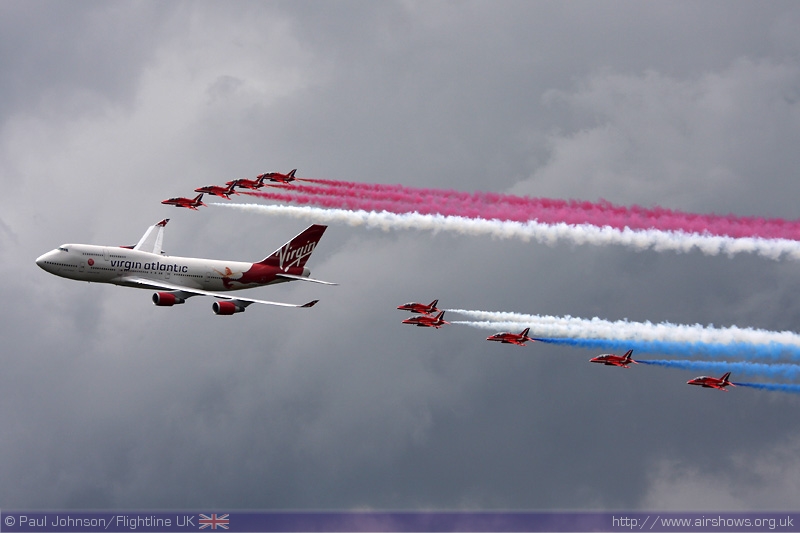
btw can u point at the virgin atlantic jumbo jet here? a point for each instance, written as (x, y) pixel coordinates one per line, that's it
(176, 279)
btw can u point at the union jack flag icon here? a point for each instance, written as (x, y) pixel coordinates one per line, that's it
(213, 521)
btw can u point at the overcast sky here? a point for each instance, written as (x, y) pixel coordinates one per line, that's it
(106, 108)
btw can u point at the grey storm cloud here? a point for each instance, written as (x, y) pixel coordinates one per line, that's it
(109, 107)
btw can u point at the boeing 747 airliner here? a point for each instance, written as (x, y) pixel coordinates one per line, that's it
(176, 279)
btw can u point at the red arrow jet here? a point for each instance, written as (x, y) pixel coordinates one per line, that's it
(217, 190)
(427, 321)
(415, 307)
(511, 338)
(245, 183)
(278, 177)
(615, 360)
(189, 203)
(712, 382)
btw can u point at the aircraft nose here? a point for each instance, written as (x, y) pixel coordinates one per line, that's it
(42, 260)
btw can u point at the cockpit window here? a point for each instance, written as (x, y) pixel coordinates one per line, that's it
(63, 248)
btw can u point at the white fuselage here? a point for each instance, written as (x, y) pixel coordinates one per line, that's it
(108, 264)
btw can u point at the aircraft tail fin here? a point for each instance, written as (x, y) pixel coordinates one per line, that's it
(433, 304)
(291, 174)
(296, 252)
(726, 376)
(153, 238)
(525, 332)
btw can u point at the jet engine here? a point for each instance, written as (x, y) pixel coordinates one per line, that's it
(166, 299)
(226, 308)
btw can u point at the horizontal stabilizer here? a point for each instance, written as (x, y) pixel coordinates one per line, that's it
(301, 278)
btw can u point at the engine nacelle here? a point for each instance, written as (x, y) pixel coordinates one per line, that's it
(166, 299)
(226, 308)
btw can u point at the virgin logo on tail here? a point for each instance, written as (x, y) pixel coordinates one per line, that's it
(296, 252)
(289, 257)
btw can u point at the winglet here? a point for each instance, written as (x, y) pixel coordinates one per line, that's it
(310, 304)
(153, 238)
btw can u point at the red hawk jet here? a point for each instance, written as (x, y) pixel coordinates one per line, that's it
(712, 382)
(427, 321)
(512, 338)
(189, 203)
(278, 177)
(614, 360)
(217, 190)
(415, 307)
(245, 183)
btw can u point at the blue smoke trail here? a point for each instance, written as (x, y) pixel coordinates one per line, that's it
(787, 371)
(738, 349)
(780, 387)
(703, 339)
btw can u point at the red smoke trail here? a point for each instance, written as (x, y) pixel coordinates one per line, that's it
(353, 203)
(338, 197)
(523, 208)
(452, 204)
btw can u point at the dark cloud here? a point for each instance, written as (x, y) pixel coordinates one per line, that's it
(108, 108)
(64, 60)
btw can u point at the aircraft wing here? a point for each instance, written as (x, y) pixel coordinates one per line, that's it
(301, 278)
(144, 282)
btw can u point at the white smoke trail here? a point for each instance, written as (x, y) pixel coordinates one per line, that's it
(595, 328)
(550, 234)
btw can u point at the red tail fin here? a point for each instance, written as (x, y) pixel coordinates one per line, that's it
(296, 252)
